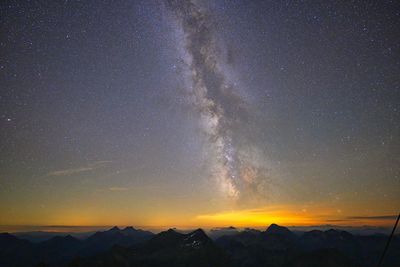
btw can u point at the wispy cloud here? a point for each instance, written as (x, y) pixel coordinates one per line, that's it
(384, 217)
(337, 220)
(364, 218)
(71, 171)
(116, 188)
(76, 170)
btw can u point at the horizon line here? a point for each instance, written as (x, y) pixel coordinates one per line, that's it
(41, 228)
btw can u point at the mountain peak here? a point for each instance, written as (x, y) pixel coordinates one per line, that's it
(169, 233)
(276, 229)
(114, 229)
(70, 238)
(338, 233)
(129, 229)
(196, 239)
(199, 233)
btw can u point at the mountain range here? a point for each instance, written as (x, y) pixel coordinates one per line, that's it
(276, 246)
(59, 250)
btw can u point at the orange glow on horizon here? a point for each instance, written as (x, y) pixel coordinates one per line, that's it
(286, 215)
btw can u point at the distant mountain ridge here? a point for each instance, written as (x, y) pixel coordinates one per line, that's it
(59, 250)
(276, 246)
(168, 248)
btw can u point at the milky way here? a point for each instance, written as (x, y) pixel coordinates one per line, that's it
(235, 163)
(157, 112)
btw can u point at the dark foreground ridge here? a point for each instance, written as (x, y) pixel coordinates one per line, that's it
(276, 246)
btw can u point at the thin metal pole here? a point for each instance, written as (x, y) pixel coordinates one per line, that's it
(388, 242)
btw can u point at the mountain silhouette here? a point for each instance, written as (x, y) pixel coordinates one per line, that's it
(60, 250)
(168, 248)
(15, 251)
(276, 246)
(218, 232)
(107, 239)
(275, 229)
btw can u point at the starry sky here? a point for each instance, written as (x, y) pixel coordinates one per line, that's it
(199, 113)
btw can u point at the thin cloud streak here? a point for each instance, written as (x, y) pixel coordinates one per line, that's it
(118, 189)
(384, 217)
(71, 171)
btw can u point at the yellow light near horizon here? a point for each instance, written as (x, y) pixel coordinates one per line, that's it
(288, 216)
(161, 218)
(256, 218)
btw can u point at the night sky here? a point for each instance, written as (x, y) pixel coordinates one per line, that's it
(202, 113)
